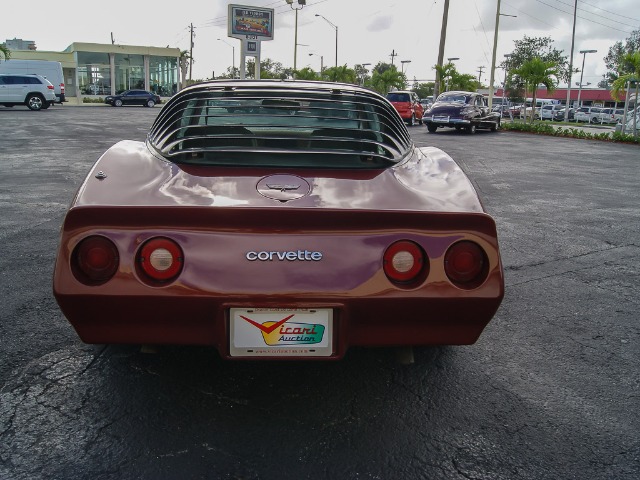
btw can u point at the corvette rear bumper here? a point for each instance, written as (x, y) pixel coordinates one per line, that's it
(205, 321)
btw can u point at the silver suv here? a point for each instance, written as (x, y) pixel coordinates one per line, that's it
(34, 91)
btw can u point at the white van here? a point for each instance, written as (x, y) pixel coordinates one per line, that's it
(52, 71)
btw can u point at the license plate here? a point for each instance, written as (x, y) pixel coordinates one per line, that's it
(440, 119)
(272, 332)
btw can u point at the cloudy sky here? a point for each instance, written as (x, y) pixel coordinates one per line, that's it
(369, 31)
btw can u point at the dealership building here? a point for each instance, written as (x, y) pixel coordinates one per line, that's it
(95, 69)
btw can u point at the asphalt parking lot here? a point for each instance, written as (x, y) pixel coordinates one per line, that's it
(550, 391)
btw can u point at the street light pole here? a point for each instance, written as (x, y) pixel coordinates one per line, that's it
(233, 59)
(336, 28)
(584, 55)
(403, 62)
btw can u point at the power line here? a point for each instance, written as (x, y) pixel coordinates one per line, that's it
(583, 18)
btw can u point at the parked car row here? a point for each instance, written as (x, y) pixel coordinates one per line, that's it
(599, 115)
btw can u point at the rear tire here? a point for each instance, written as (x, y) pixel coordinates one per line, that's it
(471, 129)
(34, 102)
(432, 128)
(150, 103)
(495, 126)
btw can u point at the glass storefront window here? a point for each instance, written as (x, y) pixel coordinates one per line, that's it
(129, 72)
(94, 73)
(95, 76)
(163, 75)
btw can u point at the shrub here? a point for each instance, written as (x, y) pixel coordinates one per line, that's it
(545, 129)
(92, 100)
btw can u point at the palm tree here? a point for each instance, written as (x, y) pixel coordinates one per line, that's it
(342, 74)
(184, 66)
(536, 72)
(445, 73)
(4, 52)
(390, 78)
(307, 73)
(631, 60)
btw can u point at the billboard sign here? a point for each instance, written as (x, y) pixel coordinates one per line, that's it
(251, 23)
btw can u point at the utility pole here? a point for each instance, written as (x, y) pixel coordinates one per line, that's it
(393, 55)
(573, 41)
(443, 37)
(191, 53)
(480, 69)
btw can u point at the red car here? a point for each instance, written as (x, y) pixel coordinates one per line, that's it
(301, 224)
(408, 106)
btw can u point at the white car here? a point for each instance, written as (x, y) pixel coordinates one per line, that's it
(589, 114)
(548, 112)
(34, 91)
(628, 128)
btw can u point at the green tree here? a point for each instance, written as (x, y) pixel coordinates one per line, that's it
(232, 72)
(382, 67)
(4, 52)
(527, 49)
(615, 58)
(307, 73)
(183, 62)
(445, 73)
(341, 74)
(388, 79)
(268, 69)
(451, 79)
(536, 72)
(629, 63)
(423, 90)
(362, 74)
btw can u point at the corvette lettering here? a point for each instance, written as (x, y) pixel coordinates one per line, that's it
(292, 256)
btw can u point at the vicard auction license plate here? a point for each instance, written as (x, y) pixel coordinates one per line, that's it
(261, 332)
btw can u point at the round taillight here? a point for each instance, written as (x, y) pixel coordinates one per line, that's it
(160, 259)
(466, 264)
(95, 260)
(404, 261)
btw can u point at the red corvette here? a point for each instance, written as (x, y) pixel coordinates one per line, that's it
(277, 219)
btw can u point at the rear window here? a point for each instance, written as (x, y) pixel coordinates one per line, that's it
(277, 124)
(446, 97)
(398, 97)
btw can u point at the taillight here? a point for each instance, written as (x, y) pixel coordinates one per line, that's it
(95, 260)
(62, 88)
(405, 262)
(160, 259)
(50, 87)
(466, 264)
